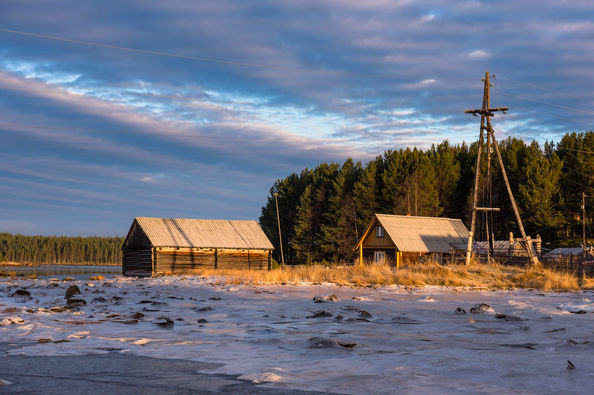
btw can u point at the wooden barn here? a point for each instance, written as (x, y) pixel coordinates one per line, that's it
(398, 238)
(156, 246)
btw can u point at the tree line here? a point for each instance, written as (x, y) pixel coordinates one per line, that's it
(324, 211)
(61, 249)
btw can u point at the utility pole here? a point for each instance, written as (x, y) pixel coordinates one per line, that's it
(280, 237)
(486, 112)
(584, 249)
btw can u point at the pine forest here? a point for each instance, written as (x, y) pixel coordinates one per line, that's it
(323, 211)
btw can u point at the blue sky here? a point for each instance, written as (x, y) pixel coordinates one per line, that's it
(253, 125)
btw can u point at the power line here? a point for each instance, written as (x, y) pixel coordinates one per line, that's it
(308, 108)
(544, 102)
(232, 62)
(177, 135)
(545, 89)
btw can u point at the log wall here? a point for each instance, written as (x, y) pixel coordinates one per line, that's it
(137, 262)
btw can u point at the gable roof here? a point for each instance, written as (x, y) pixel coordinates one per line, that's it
(203, 233)
(420, 234)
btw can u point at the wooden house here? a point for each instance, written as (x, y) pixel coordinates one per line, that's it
(156, 246)
(398, 238)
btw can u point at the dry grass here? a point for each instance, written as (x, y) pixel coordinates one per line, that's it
(492, 276)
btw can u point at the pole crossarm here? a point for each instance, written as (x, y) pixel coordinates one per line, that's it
(487, 209)
(486, 111)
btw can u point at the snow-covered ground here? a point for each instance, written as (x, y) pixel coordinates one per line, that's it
(377, 340)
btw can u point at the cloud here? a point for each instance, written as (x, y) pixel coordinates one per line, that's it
(479, 54)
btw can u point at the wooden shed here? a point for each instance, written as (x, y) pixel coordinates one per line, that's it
(398, 238)
(156, 246)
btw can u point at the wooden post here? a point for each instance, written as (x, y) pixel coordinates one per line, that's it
(478, 171)
(361, 254)
(584, 251)
(398, 259)
(269, 260)
(527, 240)
(279, 229)
(249, 263)
(216, 258)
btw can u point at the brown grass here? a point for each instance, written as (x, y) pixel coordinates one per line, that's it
(493, 276)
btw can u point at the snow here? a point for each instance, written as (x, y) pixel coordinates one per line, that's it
(261, 333)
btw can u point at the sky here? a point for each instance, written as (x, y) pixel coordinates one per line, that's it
(221, 98)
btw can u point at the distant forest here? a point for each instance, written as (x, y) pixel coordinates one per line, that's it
(60, 249)
(323, 211)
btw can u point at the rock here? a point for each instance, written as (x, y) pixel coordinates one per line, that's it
(22, 293)
(53, 285)
(202, 321)
(163, 321)
(326, 298)
(322, 314)
(180, 319)
(138, 315)
(365, 314)
(11, 310)
(514, 318)
(339, 317)
(145, 301)
(76, 302)
(5, 322)
(57, 309)
(96, 278)
(362, 298)
(214, 298)
(460, 310)
(207, 308)
(261, 378)
(98, 300)
(17, 320)
(579, 312)
(480, 308)
(73, 290)
(98, 291)
(68, 279)
(107, 285)
(323, 342)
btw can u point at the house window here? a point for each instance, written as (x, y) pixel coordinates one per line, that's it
(379, 231)
(379, 256)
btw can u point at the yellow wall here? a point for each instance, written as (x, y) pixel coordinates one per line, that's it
(372, 241)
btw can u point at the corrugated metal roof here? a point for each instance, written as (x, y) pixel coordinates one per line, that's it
(423, 234)
(568, 251)
(204, 233)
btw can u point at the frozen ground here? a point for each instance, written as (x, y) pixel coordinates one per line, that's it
(382, 340)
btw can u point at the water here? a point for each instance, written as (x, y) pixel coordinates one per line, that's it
(60, 271)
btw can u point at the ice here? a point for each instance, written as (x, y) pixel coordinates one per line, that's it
(398, 343)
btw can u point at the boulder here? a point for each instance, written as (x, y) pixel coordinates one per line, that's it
(163, 321)
(76, 302)
(480, 308)
(460, 310)
(326, 298)
(98, 300)
(73, 290)
(202, 321)
(96, 278)
(322, 314)
(365, 314)
(22, 293)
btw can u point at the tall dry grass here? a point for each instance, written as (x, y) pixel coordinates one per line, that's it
(493, 276)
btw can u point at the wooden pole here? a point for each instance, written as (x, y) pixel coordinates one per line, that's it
(477, 175)
(584, 250)
(527, 240)
(279, 229)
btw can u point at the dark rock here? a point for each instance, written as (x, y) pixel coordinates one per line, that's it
(202, 321)
(98, 291)
(116, 298)
(460, 310)
(53, 285)
(179, 319)
(481, 308)
(365, 314)
(107, 285)
(76, 302)
(159, 304)
(137, 315)
(326, 298)
(22, 293)
(73, 290)
(207, 308)
(322, 314)
(579, 312)
(214, 298)
(163, 321)
(145, 301)
(339, 317)
(98, 300)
